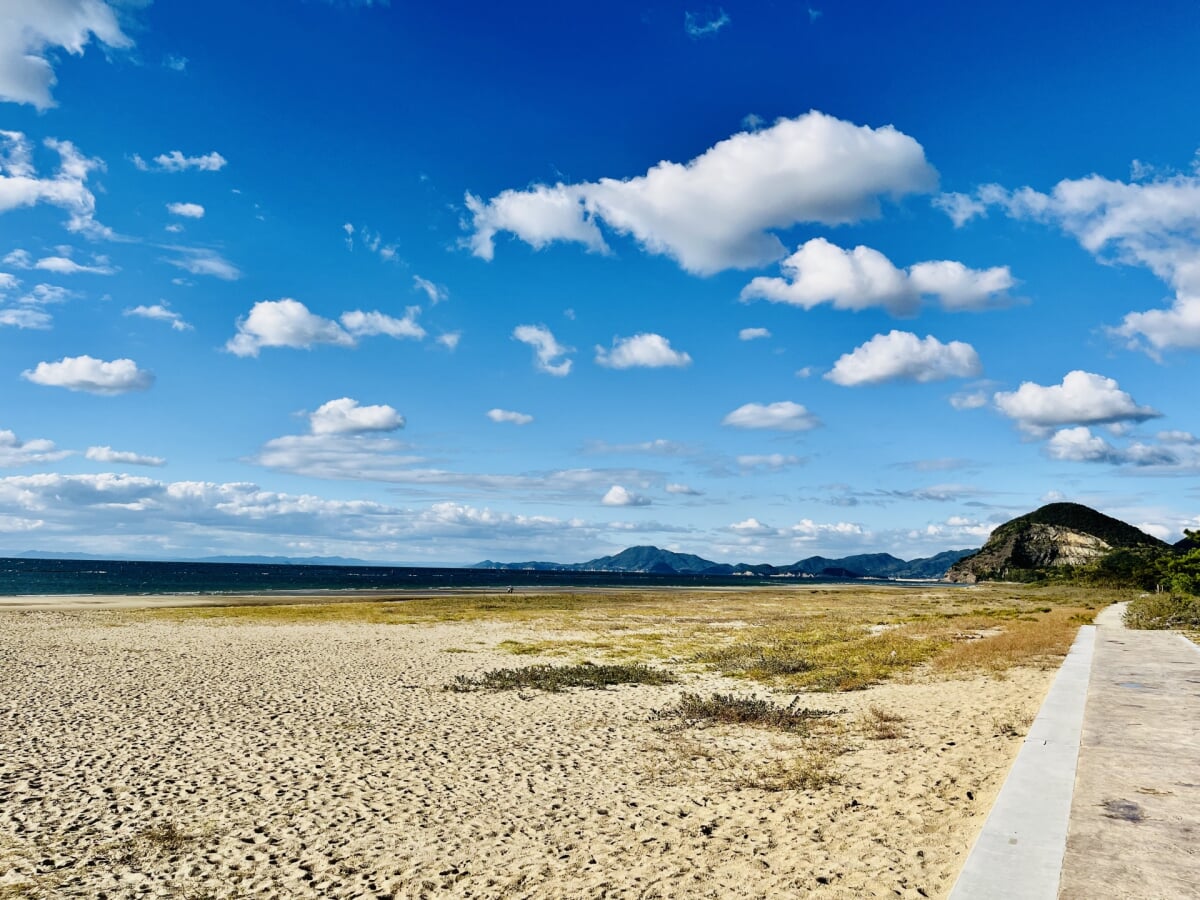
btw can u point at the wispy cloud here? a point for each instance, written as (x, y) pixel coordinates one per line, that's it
(705, 24)
(549, 355)
(159, 312)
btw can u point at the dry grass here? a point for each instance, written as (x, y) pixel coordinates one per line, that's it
(881, 724)
(1040, 640)
(810, 770)
(793, 637)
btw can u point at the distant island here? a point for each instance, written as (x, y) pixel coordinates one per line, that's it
(1060, 542)
(654, 561)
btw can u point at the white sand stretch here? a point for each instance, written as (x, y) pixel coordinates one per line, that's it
(197, 760)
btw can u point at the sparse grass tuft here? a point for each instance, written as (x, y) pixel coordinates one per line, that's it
(559, 678)
(881, 724)
(729, 709)
(1159, 611)
(167, 837)
(810, 771)
(1014, 725)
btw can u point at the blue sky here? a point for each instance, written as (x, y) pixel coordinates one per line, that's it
(431, 283)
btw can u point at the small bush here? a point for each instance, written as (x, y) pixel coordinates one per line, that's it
(730, 709)
(1156, 611)
(559, 678)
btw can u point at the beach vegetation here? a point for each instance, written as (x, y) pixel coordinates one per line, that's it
(808, 770)
(731, 709)
(559, 678)
(794, 637)
(1164, 611)
(882, 724)
(824, 659)
(1040, 640)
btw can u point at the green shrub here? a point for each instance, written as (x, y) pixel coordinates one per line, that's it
(1163, 611)
(559, 678)
(730, 709)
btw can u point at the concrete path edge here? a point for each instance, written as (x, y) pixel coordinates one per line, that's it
(1020, 851)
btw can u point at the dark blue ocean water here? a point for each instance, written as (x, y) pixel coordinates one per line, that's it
(70, 576)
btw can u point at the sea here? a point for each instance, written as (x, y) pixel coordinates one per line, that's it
(72, 576)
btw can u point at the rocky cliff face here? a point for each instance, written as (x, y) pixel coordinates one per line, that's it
(1058, 534)
(1035, 546)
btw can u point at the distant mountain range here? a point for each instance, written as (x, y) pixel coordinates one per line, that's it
(652, 560)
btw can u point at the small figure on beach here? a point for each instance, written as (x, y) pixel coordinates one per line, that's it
(509, 589)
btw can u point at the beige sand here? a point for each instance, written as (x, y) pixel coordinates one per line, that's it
(197, 760)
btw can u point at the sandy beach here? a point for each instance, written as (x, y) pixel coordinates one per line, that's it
(146, 757)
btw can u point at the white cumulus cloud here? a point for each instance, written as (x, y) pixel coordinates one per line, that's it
(14, 452)
(32, 30)
(346, 416)
(289, 323)
(719, 210)
(550, 355)
(642, 351)
(507, 415)
(20, 185)
(1083, 398)
(122, 457)
(366, 324)
(187, 210)
(23, 317)
(753, 334)
(821, 272)
(619, 496)
(284, 323)
(1154, 224)
(782, 416)
(62, 265)
(1080, 445)
(901, 355)
(94, 376)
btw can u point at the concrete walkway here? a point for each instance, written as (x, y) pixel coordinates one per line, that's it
(1135, 816)
(1103, 800)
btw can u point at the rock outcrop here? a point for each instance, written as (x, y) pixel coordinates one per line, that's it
(1060, 534)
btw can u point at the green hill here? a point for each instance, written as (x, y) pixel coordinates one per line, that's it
(1056, 536)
